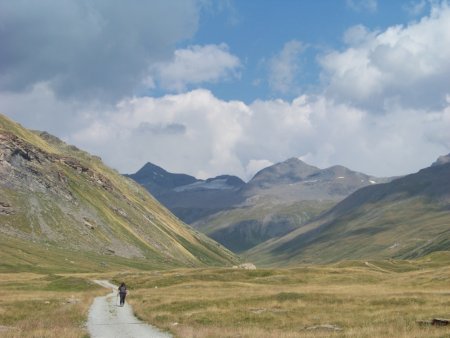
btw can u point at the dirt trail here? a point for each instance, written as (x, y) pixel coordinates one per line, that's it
(108, 320)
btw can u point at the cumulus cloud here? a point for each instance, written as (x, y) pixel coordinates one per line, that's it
(384, 108)
(83, 48)
(403, 66)
(205, 136)
(214, 136)
(195, 65)
(284, 68)
(200, 133)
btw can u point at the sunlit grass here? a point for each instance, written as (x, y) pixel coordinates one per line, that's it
(349, 299)
(35, 305)
(353, 301)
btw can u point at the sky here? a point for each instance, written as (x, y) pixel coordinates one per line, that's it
(211, 87)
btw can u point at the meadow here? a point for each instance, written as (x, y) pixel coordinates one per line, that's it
(45, 305)
(348, 299)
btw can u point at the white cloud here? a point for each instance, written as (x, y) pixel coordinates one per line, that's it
(199, 134)
(195, 65)
(284, 68)
(358, 35)
(214, 136)
(401, 73)
(195, 133)
(404, 66)
(362, 5)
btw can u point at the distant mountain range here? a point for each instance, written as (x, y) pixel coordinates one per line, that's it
(292, 213)
(60, 206)
(240, 215)
(63, 202)
(406, 218)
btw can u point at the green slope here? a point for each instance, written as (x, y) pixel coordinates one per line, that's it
(61, 198)
(407, 218)
(243, 227)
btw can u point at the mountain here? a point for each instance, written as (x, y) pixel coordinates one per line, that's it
(157, 180)
(295, 180)
(277, 200)
(57, 198)
(406, 218)
(189, 198)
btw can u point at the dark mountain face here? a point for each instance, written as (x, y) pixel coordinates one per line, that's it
(157, 180)
(406, 218)
(187, 197)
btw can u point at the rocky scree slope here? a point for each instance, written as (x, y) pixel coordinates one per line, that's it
(59, 197)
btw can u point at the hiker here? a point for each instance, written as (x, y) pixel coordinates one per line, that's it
(122, 293)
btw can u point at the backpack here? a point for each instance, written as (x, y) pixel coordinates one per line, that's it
(123, 289)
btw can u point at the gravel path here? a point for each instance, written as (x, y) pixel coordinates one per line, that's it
(108, 320)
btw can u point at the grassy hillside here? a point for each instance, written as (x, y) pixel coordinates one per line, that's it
(244, 227)
(280, 199)
(63, 199)
(407, 218)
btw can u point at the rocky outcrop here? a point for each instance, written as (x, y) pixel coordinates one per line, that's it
(245, 266)
(6, 208)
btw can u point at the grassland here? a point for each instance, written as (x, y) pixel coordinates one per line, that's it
(44, 305)
(348, 299)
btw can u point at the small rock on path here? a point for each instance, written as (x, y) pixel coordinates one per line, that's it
(108, 320)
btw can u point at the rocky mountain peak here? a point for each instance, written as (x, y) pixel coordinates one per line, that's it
(157, 180)
(289, 171)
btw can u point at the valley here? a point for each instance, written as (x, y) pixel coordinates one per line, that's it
(337, 252)
(239, 215)
(225, 169)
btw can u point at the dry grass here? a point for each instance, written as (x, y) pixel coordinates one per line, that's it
(361, 301)
(34, 305)
(379, 299)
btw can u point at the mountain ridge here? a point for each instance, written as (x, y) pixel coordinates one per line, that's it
(276, 200)
(405, 218)
(62, 197)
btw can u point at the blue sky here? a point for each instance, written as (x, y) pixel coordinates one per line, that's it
(256, 31)
(228, 87)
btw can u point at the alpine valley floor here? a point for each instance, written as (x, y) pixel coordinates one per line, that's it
(348, 299)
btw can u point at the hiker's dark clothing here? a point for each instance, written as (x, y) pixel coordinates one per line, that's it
(122, 294)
